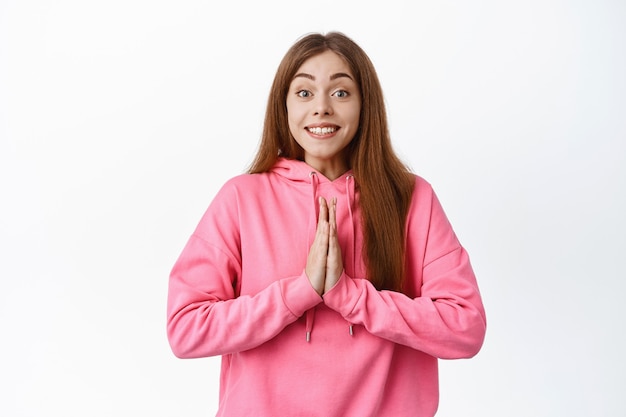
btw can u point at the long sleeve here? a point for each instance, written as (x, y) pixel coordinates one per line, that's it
(445, 318)
(205, 314)
(238, 289)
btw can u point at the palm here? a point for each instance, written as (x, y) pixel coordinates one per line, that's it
(324, 264)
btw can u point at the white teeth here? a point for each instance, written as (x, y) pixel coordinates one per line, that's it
(321, 130)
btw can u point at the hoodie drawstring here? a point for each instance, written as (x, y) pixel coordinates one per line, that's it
(350, 186)
(310, 319)
(350, 197)
(310, 314)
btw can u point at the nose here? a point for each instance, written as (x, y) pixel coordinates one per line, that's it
(322, 105)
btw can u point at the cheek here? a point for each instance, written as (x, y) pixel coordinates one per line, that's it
(355, 120)
(292, 123)
(357, 114)
(294, 116)
(352, 114)
(290, 117)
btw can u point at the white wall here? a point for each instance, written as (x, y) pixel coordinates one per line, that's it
(120, 119)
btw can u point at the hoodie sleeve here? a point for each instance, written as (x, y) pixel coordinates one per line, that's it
(205, 317)
(446, 319)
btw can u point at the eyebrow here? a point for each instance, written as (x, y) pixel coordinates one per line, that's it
(332, 77)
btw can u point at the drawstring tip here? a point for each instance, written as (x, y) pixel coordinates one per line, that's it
(351, 331)
(308, 336)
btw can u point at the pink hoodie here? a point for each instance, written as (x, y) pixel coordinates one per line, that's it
(239, 290)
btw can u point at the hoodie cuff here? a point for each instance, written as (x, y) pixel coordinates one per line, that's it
(298, 294)
(342, 297)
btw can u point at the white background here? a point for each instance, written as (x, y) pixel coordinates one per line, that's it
(120, 119)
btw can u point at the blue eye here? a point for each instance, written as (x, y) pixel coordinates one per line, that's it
(341, 94)
(303, 93)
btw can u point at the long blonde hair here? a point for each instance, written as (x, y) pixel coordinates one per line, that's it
(384, 182)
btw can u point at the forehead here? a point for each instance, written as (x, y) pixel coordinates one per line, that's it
(325, 65)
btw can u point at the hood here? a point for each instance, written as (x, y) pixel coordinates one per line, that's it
(299, 171)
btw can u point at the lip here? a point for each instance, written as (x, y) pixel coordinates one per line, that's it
(321, 125)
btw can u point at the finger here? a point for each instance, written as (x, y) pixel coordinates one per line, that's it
(333, 241)
(334, 264)
(321, 236)
(332, 215)
(316, 262)
(323, 214)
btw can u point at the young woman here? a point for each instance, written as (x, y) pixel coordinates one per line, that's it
(328, 277)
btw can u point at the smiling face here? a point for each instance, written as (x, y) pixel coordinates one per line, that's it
(323, 107)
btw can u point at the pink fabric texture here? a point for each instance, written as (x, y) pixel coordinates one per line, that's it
(239, 290)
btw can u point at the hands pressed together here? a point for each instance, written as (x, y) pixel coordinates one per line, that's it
(324, 264)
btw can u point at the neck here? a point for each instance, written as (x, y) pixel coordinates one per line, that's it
(332, 168)
(330, 171)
